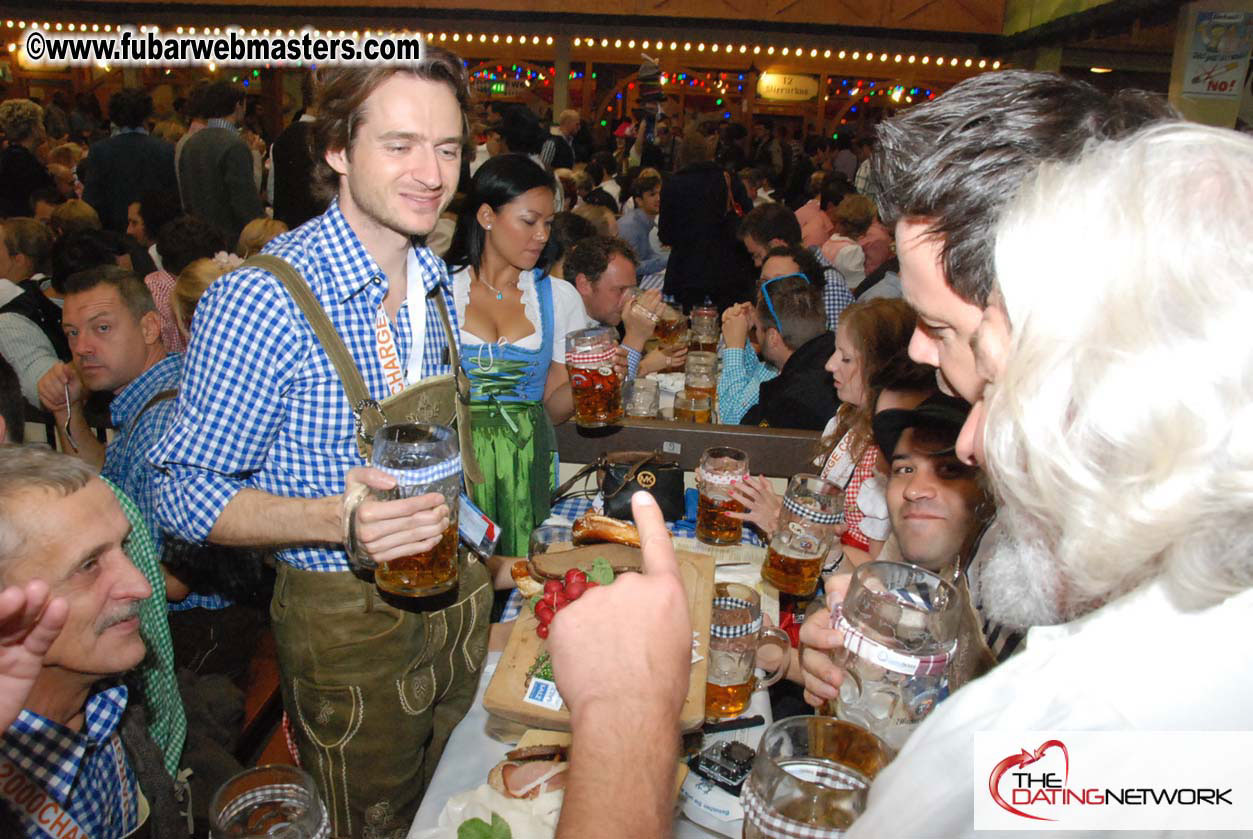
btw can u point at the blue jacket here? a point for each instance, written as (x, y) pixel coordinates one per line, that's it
(634, 227)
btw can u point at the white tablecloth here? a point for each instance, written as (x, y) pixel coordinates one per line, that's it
(470, 755)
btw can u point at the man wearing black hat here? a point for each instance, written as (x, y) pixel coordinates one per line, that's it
(939, 507)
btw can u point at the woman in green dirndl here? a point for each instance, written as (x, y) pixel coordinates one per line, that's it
(513, 329)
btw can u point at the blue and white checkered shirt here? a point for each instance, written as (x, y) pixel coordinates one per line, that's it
(80, 768)
(261, 405)
(126, 463)
(835, 294)
(739, 383)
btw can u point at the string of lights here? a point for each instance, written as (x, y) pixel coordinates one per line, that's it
(660, 47)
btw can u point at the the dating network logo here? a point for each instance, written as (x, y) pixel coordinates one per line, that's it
(1106, 780)
(1024, 779)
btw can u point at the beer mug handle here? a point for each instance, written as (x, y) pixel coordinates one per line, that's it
(357, 556)
(776, 636)
(844, 659)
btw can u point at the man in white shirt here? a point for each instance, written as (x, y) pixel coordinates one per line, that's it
(30, 325)
(601, 273)
(1106, 501)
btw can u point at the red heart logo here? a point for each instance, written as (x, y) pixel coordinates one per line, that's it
(1024, 758)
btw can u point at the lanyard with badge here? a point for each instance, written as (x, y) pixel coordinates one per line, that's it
(477, 530)
(399, 375)
(41, 812)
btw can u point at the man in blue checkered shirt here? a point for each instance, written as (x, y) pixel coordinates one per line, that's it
(76, 756)
(262, 450)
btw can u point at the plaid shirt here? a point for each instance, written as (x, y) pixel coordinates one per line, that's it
(125, 463)
(835, 294)
(261, 405)
(167, 721)
(80, 768)
(739, 383)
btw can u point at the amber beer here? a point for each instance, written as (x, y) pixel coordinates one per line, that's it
(595, 385)
(719, 468)
(697, 392)
(422, 458)
(669, 331)
(597, 396)
(697, 415)
(433, 572)
(792, 574)
(735, 635)
(713, 525)
(702, 343)
(723, 701)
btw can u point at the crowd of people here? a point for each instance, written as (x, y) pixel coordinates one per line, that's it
(1060, 431)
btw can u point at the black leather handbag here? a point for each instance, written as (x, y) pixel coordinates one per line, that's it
(619, 475)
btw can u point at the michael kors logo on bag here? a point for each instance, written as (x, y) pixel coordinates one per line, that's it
(646, 480)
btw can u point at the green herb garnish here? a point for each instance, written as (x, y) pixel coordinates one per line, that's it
(601, 571)
(479, 829)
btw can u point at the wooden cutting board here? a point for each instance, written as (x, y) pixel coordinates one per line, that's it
(504, 693)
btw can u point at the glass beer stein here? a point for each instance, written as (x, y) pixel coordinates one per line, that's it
(671, 328)
(735, 634)
(720, 466)
(810, 778)
(590, 354)
(276, 802)
(692, 407)
(641, 398)
(812, 509)
(701, 382)
(702, 341)
(705, 318)
(900, 626)
(422, 458)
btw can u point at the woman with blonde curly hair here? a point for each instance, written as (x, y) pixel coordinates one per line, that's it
(21, 172)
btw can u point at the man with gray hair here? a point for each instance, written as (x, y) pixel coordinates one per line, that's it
(1121, 460)
(76, 754)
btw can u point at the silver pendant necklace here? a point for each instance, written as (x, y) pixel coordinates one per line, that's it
(500, 295)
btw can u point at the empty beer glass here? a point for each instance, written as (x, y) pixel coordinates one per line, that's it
(735, 633)
(900, 632)
(810, 778)
(275, 802)
(597, 390)
(641, 398)
(812, 509)
(422, 458)
(720, 466)
(705, 318)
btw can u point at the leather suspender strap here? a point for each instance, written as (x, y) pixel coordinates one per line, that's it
(349, 376)
(359, 398)
(157, 398)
